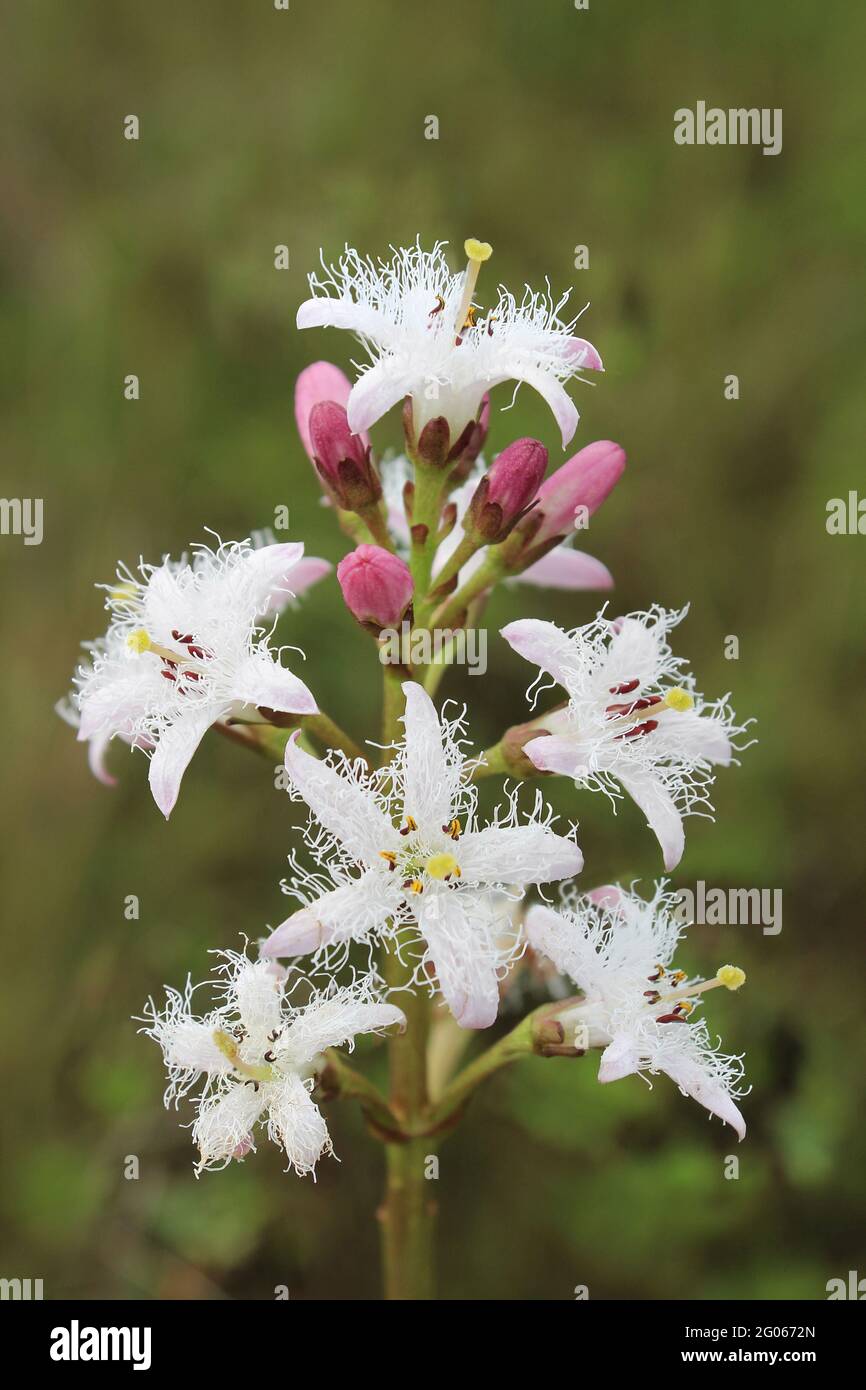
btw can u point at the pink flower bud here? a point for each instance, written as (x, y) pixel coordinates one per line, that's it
(506, 493)
(342, 459)
(321, 381)
(584, 481)
(376, 585)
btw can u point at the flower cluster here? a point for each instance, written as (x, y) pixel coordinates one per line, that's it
(403, 863)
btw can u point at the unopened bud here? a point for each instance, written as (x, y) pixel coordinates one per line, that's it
(377, 586)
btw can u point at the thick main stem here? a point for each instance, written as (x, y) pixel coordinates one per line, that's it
(408, 1211)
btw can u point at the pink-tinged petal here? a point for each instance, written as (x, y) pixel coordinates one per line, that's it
(96, 751)
(261, 681)
(516, 855)
(295, 1122)
(172, 754)
(557, 398)
(343, 805)
(305, 574)
(564, 568)
(609, 895)
(696, 1081)
(321, 381)
(266, 574)
(659, 807)
(464, 961)
(560, 754)
(584, 481)
(430, 783)
(374, 394)
(584, 356)
(620, 1058)
(352, 912)
(542, 643)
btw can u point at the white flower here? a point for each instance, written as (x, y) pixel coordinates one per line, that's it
(626, 721)
(564, 567)
(425, 338)
(618, 949)
(402, 847)
(257, 1056)
(184, 649)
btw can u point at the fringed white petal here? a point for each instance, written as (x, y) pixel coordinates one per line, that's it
(517, 855)
(262, 681)
(544, 644)
(430, 779)
(172, 756)
(225, 1121)
(296, 1124)
(353, 911)
(463, 949)
(660, 809)
(343, 804)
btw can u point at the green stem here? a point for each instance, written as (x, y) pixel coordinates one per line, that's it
(408, 1211)
(338, 1081)
(330, 735)
(426, 509)
(485, 577)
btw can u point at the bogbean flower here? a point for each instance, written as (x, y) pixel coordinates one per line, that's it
(426, 339)
(618, 950)
(184, 649)
(256, 1056)
(406, 857)
(633, 718)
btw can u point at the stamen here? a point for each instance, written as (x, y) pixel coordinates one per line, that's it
(390, 858)
(477, 253)
(728, 976)
(139, 641)
(411, 824)
(454, 829)
(440, 305)
(626, 688)
(638, 731)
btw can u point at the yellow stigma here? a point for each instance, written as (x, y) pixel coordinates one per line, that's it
(229, 1048)
(138, 641)
(731, 976)
(477, 250)
(678, 699)
(442, 866)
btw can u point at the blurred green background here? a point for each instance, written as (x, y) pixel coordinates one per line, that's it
(306, 128)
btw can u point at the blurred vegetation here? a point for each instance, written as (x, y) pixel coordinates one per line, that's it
(156, 257)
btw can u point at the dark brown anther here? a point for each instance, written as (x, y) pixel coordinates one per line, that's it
(639, 730)
(270, 1056)
(625, 689)
(670, 1018)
